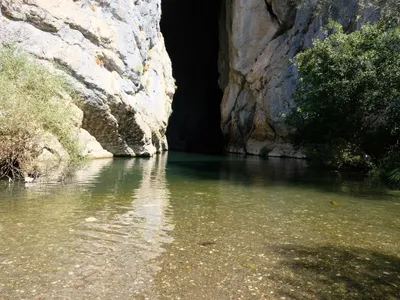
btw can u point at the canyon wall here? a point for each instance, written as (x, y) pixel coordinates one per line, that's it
(259, 39)
(113, 54)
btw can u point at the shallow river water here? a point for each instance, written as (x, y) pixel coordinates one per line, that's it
(182, 226)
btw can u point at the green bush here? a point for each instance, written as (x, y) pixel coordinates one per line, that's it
(348, 98)
(388, 167)
(32, 101)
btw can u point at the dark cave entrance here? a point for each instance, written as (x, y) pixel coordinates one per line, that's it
(190, 29)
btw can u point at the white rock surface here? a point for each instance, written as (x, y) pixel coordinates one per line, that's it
(113, 53)
(90, 147)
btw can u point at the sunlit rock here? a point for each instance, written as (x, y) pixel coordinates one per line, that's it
(113, 53)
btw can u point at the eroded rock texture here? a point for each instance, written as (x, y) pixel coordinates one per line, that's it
(114, 55)
(258, 40)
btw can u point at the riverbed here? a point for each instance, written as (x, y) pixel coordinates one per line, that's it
(185, 226)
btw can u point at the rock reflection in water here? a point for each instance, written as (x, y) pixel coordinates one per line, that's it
(243, 228)
(83, 239)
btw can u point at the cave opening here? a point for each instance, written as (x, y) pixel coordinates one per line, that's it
(190, 30)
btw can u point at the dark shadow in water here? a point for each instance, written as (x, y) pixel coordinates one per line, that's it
(120, 176)
(235, 168)
(337, 273)
(253, 171)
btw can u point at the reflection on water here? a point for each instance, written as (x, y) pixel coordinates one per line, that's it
(86, 239)
(199, 227)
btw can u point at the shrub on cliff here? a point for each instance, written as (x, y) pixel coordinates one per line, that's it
(31, 103)
(348, 98)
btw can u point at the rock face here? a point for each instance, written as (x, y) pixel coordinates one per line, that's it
(113, 53)
(258, 40)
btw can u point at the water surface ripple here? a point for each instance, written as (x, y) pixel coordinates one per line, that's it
(182, 226)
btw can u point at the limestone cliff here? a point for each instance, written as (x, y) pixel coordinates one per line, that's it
(258, 40)
(113, 53)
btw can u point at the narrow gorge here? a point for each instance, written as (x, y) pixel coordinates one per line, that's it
(149, 149)
(190, 29)
(229, 86)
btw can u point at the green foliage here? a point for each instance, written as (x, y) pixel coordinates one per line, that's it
(394, 176)
(348, 97)
(388, 167)
(32, 101)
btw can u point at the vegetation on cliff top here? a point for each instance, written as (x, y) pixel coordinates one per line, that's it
(32, 101)
(348, 99)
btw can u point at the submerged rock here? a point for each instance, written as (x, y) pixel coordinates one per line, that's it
(90, 219)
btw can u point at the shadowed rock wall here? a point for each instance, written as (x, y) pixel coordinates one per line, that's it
(190, 29)
(258, 40)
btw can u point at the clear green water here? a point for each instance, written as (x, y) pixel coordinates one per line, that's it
(199, 227)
